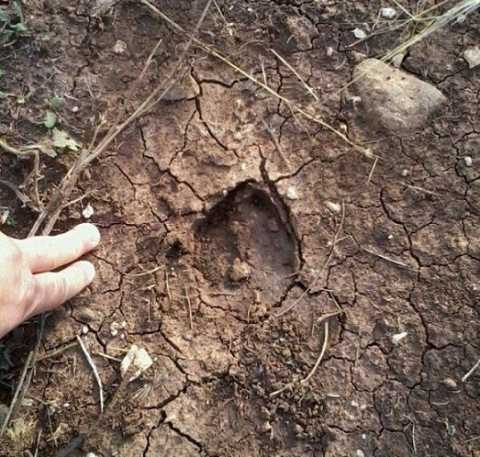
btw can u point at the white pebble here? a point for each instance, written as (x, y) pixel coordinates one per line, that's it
(360, 453)
(330, 51)
(472, 56)
(91, 454)
(292, 193)
(405, 172)
(335, 207)
(388, 12)
(84, 330)
(359, 34)
(88, 211)
(468, 161)
(398, 337)
(120, 47)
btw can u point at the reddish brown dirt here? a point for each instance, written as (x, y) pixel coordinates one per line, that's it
(198, 191)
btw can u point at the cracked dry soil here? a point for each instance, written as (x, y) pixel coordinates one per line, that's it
(228, 233)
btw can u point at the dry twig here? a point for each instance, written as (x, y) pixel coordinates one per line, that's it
(94, 369)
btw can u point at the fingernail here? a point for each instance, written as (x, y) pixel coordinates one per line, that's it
(89, 272)
(93, 236)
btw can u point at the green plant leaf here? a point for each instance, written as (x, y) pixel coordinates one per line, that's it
(62, 140)
(19, 28)
(50, 119)
(55, 102)
(4, 15)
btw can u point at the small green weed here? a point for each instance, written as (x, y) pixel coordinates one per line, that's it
(12, 23)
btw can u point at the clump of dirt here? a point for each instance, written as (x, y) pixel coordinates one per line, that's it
(232, 227)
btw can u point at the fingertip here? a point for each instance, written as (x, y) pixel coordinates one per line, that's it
(89, 233)
(88, 270)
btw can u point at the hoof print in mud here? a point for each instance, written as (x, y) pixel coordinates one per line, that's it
(246, 240)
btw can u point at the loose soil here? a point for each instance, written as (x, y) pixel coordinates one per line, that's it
(229, 234)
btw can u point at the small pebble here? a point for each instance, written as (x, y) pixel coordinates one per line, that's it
(472, 56)
(84, 329)
(359, 34)
(114, 328)
(120, 47)
(388, 12)
(240, 270)
(330, 51)
(468, 161)
(292, 193)
(335, 207)
(266, 427)
(360, 453)
(405, 172)
(398, 337)
(75, 109)
(450, 383)
(298, 429)
(88, 211)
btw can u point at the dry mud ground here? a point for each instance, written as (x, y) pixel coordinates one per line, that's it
(196, 195)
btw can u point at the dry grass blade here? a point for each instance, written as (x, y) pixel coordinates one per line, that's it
(94, 370)
(388, 259)
(320, 357)
(295, 72)
(21, 382)
(471, 371)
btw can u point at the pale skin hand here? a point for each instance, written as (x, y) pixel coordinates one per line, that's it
(28, 285)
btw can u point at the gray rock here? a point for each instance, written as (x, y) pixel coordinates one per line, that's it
(394, 100)
(472, 56)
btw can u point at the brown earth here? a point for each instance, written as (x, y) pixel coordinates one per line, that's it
(197, 193)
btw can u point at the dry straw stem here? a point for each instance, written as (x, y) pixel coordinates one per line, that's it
(307, 378)
(94, 369)
(471, 371)
(295, 72)
(49, 216)
(295, 108)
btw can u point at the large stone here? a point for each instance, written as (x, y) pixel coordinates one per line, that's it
(393, 99)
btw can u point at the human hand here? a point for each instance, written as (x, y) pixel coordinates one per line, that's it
(27, 284)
